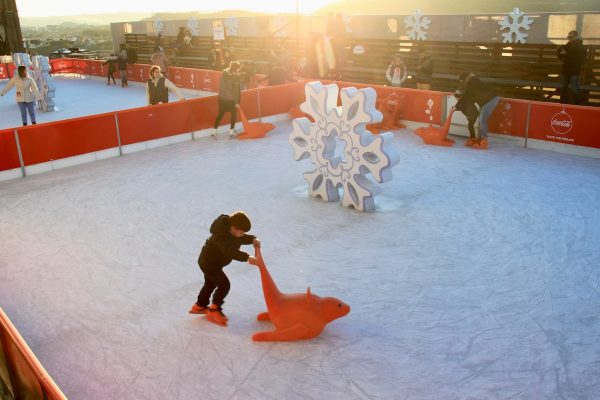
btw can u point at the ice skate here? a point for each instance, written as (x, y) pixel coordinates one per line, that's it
(216, 316)
(196, 309)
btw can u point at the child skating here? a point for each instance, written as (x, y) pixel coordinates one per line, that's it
(228, 233)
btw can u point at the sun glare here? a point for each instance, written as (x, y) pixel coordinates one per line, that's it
(38, 8)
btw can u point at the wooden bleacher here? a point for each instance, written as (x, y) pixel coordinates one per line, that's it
(525, 71)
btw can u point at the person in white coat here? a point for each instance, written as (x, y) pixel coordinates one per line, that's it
(396, 72)
(27, 92)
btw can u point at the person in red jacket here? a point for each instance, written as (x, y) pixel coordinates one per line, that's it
(228, 233)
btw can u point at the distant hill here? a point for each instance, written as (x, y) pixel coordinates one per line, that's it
(200, 15)
(93, 19)
(350, 7)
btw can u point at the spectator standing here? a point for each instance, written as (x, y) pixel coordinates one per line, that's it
(424, 71)
(573, 56)
(396, 72)
(159, 58)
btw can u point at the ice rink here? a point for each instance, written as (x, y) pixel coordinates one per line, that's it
(476, 278)
(77, 96)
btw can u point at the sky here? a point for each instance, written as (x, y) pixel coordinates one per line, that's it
(44, 8)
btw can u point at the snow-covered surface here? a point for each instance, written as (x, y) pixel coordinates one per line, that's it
(475, 278)
(77, 96)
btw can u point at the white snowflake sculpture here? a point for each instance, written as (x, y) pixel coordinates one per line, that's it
(44, 81)
(159, 26)
(192, 25)
(361, 152)
(231, 26)
(513, 22)
(416, 26)
(279, 26)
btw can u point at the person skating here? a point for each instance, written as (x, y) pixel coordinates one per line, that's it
(112, 67)
(158, 88)
(228, 233)
(122, 63)
(27, 91)
(230, 93)
(466, 105)
(486, 99)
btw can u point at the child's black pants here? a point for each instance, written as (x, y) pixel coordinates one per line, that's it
(212, 280)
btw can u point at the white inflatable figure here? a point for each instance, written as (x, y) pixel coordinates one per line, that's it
(44, 82)
(362, 153)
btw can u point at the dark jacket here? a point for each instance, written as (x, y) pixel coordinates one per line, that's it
(425, 70)
(574, 58)
(230, 87)
(112, 65)
(478, 91)
(466, 105)
(222, 247)
(158, 93)
(122, 61)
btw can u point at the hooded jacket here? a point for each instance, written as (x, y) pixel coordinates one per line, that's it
(574, 58)
(222, 247)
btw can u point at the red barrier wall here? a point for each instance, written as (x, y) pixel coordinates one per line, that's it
(279, 99)
(28, 378)
(419, 105)
(7, 70)
(509, 118)
(67, 138)
(197, 79)
(154, 122)
(9, 155)
(565, 124)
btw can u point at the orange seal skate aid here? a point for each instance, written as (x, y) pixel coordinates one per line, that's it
(295, 316)
(253, 130)
(437, 136)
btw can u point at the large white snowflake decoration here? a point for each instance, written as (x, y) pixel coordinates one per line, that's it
(513, 22)
(416, 26)
(231, 26)
(159, 25)
(192, 25)
(340, 146)
(279, 26)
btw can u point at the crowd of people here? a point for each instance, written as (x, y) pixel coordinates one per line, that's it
(475, 99)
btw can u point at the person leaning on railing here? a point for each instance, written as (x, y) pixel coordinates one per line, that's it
(487, 100)
(158, 88)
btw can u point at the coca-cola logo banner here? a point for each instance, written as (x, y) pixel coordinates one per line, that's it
(561, 123)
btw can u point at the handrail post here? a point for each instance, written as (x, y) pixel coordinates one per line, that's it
(20, 153)
(118, 134)
(528, 121)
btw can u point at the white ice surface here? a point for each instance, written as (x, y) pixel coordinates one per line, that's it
(477, 277)
(80, 96)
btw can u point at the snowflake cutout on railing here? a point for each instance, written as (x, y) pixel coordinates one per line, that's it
(159, 26)
(361, 152)
(279, 26)
(231, 26)
(416, 26)
(512, 23)
(192, 25)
